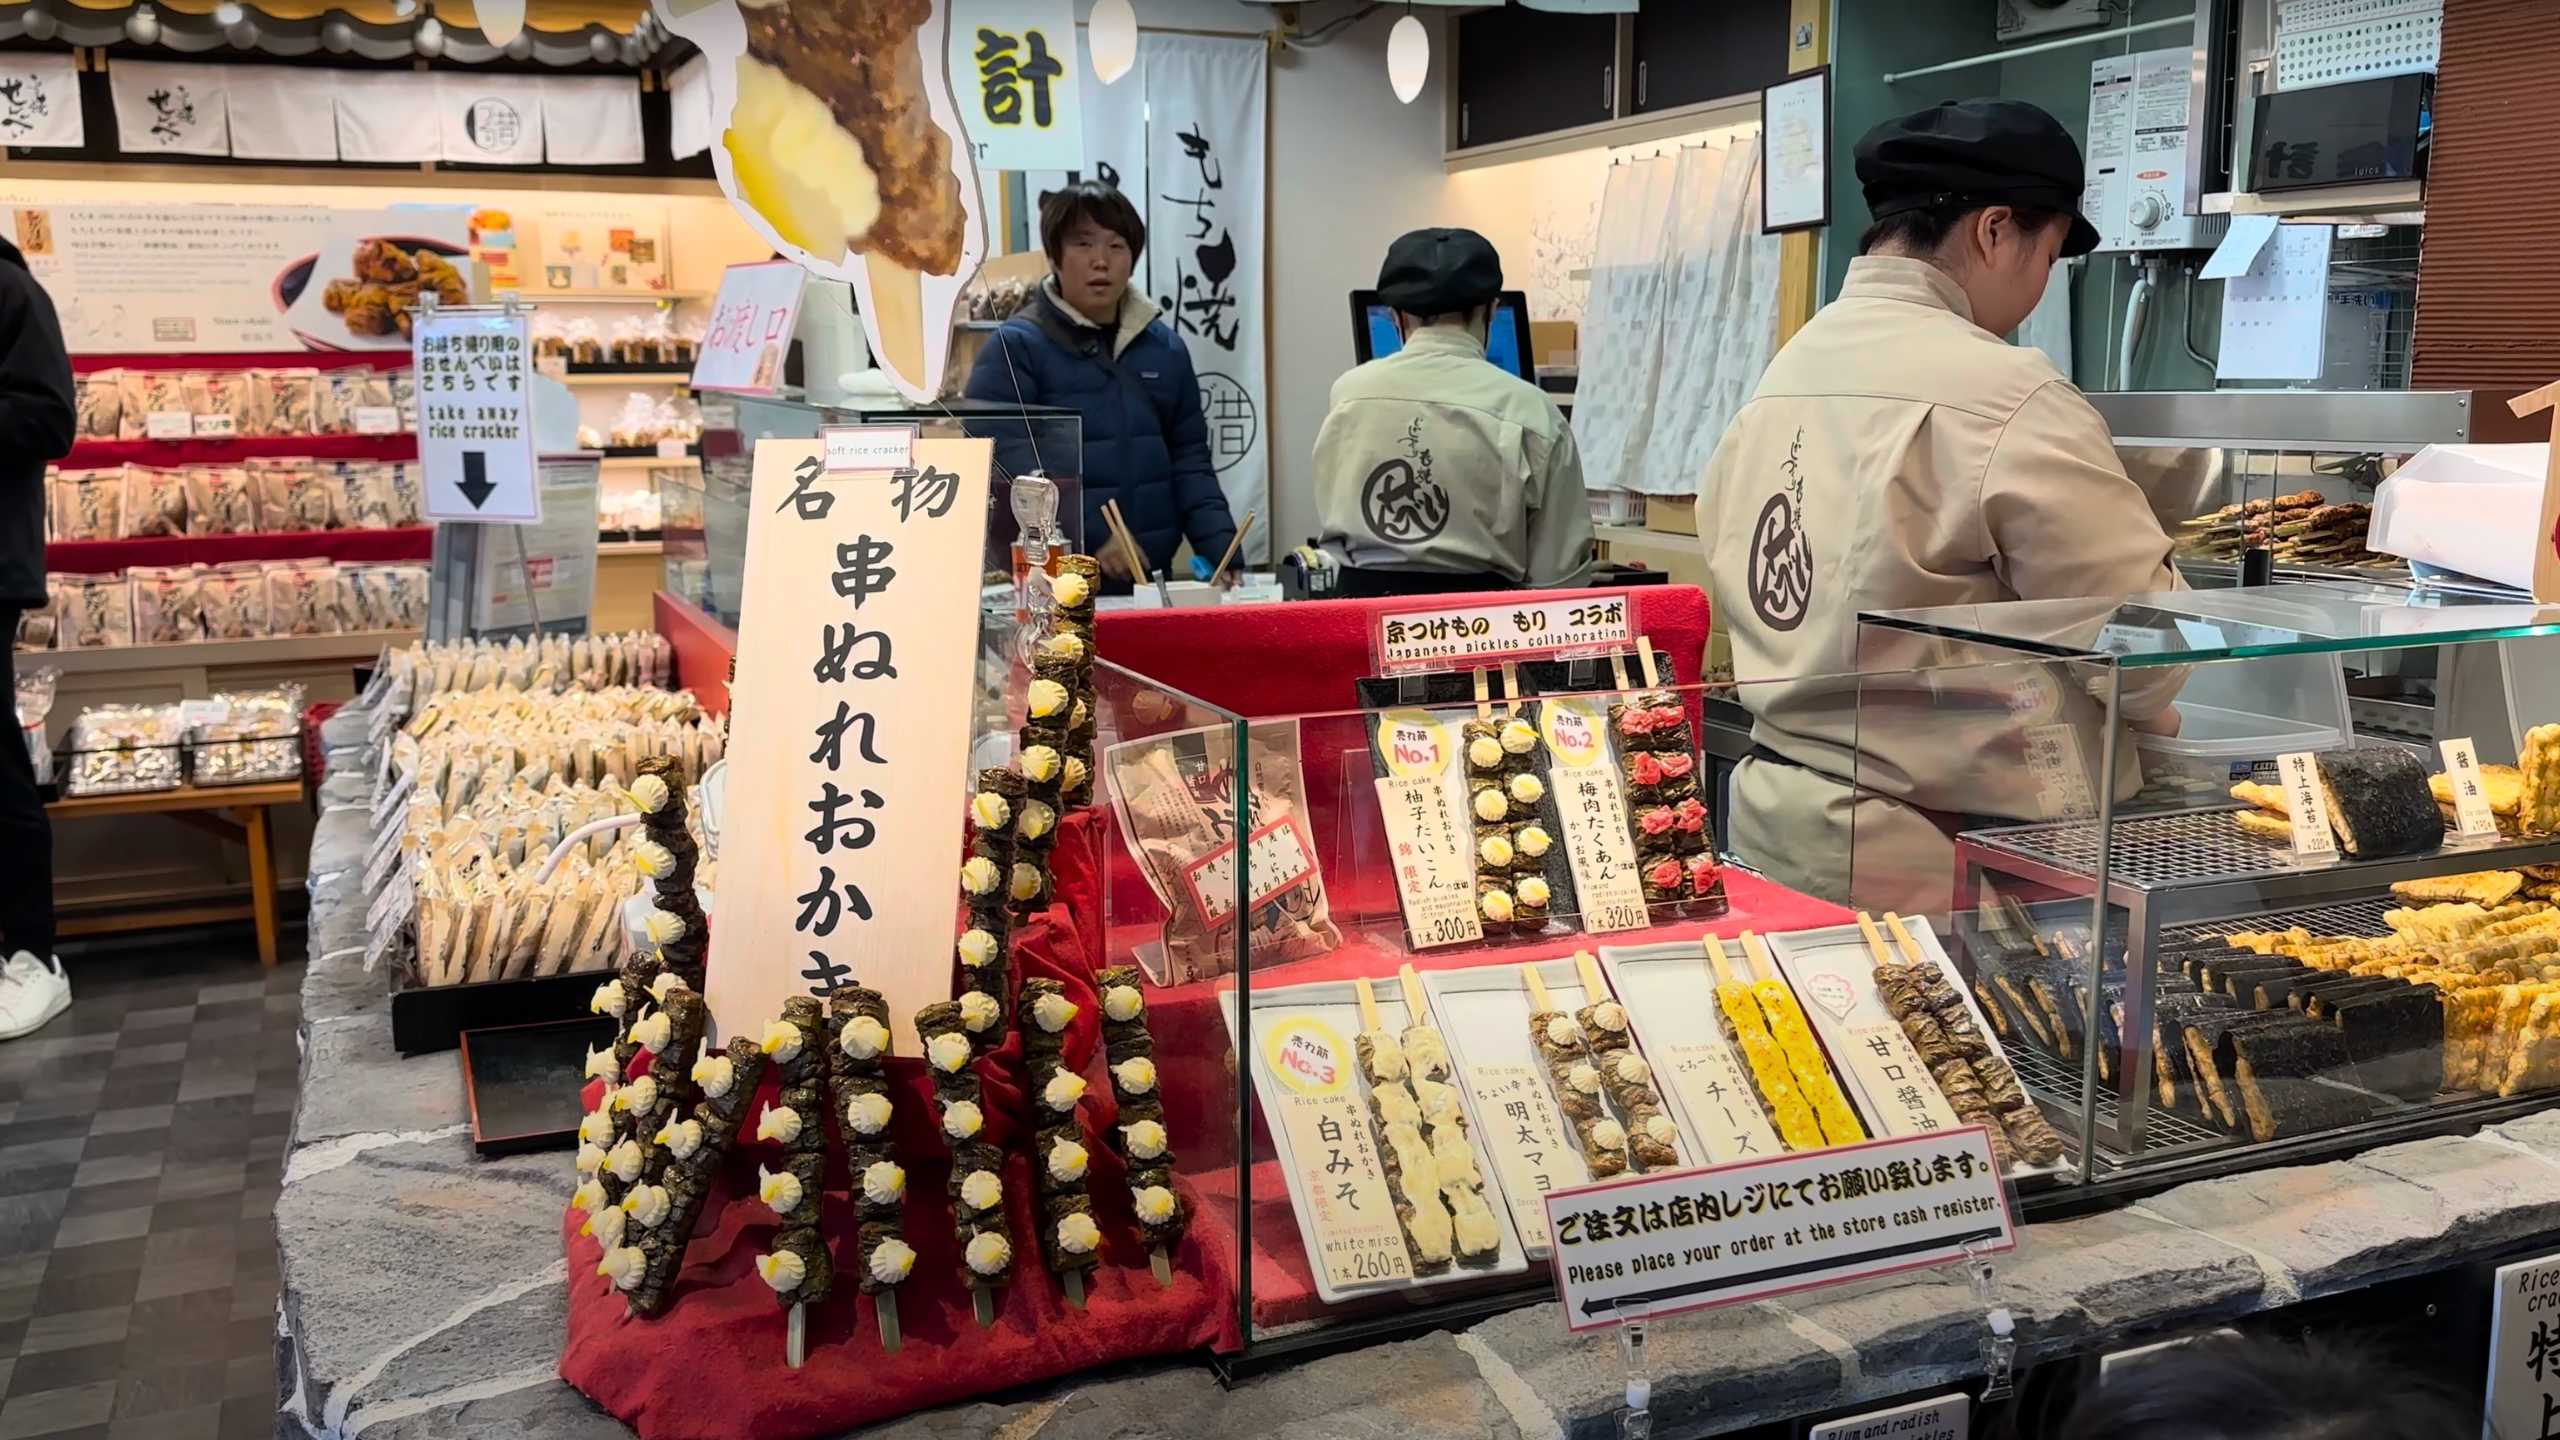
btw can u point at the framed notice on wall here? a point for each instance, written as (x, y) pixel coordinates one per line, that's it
(1795, 151)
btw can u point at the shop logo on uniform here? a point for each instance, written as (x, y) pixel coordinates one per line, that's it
(493, 125)
(1400, 501)
(1781, 560)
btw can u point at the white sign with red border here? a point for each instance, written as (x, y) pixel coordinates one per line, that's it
(1280, 860)
(749, 333)
(1442, 637)
(1698, 1239)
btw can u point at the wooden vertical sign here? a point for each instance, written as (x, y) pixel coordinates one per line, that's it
(2546, 535)
(849, 742)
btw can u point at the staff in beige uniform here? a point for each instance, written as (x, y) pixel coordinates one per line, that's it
(1436, 471)
(1899, 454)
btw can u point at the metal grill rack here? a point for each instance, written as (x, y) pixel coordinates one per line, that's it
(2051, 1078)
(2190, 874)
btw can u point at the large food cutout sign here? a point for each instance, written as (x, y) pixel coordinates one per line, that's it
(841, 143)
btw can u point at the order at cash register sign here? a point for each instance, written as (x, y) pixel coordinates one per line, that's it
(849, 741)
(1695, 1239)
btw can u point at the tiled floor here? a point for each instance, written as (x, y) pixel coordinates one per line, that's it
(141, 1140)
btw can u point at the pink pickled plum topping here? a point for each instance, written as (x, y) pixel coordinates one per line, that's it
(1672, 766)
(1645, 770)
(1692, 816)
(1664, 875)
(1655, 820)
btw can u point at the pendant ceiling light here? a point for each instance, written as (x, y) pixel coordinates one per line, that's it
(1408, 58)
(1112, 34)
(429, 37)
(142, 27)
(500, 20)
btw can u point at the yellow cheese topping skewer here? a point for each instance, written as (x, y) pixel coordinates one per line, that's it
(1795, 1037)
(1787, 1110)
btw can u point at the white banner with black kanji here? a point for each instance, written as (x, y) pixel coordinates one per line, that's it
(40, 102)
(1204, 189)
(164, 109)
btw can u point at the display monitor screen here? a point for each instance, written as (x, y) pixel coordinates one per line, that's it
(1374, 332)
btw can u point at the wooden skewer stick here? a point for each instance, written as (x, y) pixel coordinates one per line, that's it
(1875, 939)
(1719, 959)
(1484, 702)
(1644, 657)
(1074, 1281)
(1162, 1265)
(897, 305)
(1762, 968)
(884, 1308)
(1410, 980)
(795, 1338)
(1510, 687)
(983, 1299)
(1369, 1019)
(1618, 669)
(1539, 1001)
(1593, 985)
(1233, 546)
(1911, 950)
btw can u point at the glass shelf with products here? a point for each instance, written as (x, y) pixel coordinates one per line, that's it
(2219, 917)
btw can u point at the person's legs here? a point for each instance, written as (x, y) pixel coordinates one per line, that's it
(26, 836)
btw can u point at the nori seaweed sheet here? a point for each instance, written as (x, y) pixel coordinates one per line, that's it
(2379, 802)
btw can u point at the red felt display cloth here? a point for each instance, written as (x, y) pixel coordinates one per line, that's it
(712, 1364)
(99, 454)
(396, 359)
(347, 547)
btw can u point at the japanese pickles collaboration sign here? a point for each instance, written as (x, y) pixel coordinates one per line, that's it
(850, 752)
(1014, 65)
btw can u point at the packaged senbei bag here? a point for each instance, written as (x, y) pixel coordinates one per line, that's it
(1175, 798)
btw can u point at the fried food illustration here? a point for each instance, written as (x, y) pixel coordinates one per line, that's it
(378, 298)
(832, 139)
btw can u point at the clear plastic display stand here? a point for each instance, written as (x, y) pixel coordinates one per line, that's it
(478, 583)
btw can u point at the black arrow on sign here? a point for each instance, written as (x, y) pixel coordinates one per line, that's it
(476, 486)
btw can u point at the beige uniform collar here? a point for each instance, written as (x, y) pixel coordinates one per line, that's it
(1895, 277)
(1444, 340)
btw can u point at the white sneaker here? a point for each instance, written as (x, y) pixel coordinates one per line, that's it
(32, 992)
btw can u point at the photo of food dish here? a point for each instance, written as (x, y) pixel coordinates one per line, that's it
(363, 298)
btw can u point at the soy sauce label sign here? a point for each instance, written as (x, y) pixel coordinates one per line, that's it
(1339, 1174)
(2472, 813)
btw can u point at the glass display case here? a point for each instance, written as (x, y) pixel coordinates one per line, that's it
(704, 514)
(2304, 946)
(1511, 996)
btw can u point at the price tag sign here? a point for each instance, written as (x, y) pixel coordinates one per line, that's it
(1706, 1077)
(1339, 1172)
(391, 908)
(2307, 806)
(1685, 1240)
(1947, 1417)
(1280, 859)
(377, 419)
(169, 425)
(858, 448)
(192, 713)
(1593, 809)
(2472, 814)
(2524, 1386)
(216, 427)
(385, 801)
(1528, 1142)
(1435, 876)
(1440, 637)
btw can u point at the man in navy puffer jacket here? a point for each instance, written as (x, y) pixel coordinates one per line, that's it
(1088, 343)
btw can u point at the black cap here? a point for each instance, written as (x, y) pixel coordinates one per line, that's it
(1439, 272)
(1972, 153)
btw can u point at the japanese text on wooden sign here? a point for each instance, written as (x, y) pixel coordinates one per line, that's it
(749, 333)
(1439, 637)
(1694, 1239)
(856, 655)
(475, 417)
